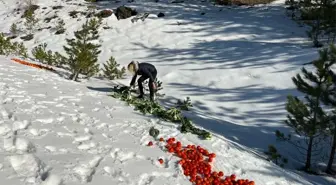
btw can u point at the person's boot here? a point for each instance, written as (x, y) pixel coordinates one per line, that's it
(152, 98)
(152, 95)
(141, 96)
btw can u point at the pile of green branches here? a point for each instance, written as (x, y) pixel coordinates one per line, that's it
(173, 114)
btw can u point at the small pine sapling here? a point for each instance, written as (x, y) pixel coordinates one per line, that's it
(158, 85)
(41, 54)
(274, 156)
(14, 29)
(83, 52)
(111, 70)
(308, 118)
(20, 50)
(185, 104)
(9, 48)
(60, 27)
(31, 21)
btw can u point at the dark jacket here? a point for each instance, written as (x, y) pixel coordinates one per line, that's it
(145, 70)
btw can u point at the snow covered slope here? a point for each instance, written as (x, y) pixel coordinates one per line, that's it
(63, 131)
(235, 63)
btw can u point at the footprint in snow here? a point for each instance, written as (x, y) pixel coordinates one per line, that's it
(39, 95)
(118, 174)
(53, 180)
(102, 126)
(21, 125)
(84, 172)
(146, 179)
(87, 146)
(6, 115)
(122, 156)
(80, 139)
(5, 129)
(50, 149)
(95, 109)
(28, 166)
(46, 120)
(14, 144)
(238, 171)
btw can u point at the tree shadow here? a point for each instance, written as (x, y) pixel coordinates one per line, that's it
(293, 176)
(222, 38)
(261, 130)
(101, 89)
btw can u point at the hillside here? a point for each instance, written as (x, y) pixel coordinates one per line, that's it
(235, 63)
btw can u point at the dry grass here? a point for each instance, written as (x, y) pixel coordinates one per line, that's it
(242, 2)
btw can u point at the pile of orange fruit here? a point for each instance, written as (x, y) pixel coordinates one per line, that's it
(32, 64)
(196, 164)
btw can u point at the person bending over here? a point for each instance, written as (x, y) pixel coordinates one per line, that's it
(146, 71)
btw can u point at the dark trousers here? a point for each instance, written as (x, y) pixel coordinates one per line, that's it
(151, 90)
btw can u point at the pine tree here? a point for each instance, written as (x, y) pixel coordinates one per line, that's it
(31, 21)
(82, 52)
(330, 22)
(319, 15)
(14, 29)
(111, 70)
(330, 99)
(308, 119)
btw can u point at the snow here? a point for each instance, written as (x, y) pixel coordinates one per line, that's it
(234, 63)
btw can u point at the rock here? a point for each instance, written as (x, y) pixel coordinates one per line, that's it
(161, 14)
(60, 31)
(123, 12)
(107, 27)
(104, 13)
(45, 28)
(27, 37)
(57, 7)
(12, 37)
(74, 13)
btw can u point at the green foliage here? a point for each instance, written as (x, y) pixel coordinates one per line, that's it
(60, 27)
(171, 114)
(308, 118)
(47, 57)
(157, 82)
(14, 29)
(274, 156)
(43, 56)
(185, 104)
(83, 52)
(31, 21)
(12, 48)
(319, 16)
(111, 70)
(329, 98)
(27, 37)
(281, 136)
